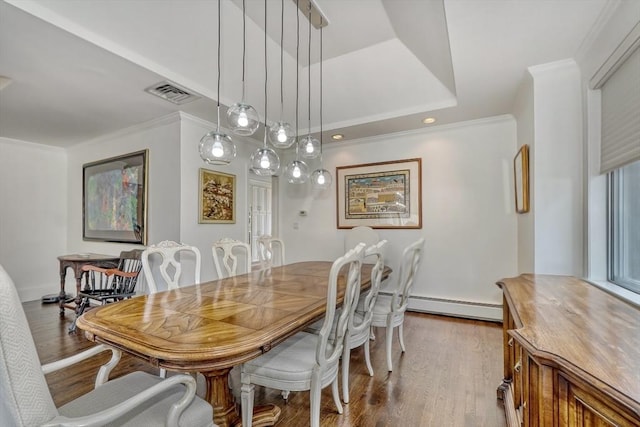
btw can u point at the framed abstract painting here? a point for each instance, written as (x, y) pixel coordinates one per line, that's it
(115, 199)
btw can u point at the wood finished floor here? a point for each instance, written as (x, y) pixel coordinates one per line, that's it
(447, 377)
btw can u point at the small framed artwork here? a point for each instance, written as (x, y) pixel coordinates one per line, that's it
(114, 199)
(217, 197)
(521, 179)
(380, 195)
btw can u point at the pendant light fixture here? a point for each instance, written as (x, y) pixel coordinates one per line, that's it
(321, 178)
(297, 172)
(265, 161)
(309, 146)
(217, 148)
(243, 119)
(280, 133)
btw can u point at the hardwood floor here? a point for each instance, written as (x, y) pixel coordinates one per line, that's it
(447, 377)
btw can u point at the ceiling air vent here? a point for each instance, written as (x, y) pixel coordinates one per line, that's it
(172, 92)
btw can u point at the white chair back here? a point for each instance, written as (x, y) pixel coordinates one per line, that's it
(352, 259)
(24, 395)
(377, 252)
(228, 257)
(170, 267)
(360, 234)
(270, 251)
(406, 274)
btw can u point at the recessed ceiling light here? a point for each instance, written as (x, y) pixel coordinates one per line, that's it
(337, 137)
(429, 120)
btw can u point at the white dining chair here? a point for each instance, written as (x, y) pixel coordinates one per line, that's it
(359, 328)
(171, 265)
(270, 251)
(231, 257)
(389, 310)
(135, 399)
(308, 361)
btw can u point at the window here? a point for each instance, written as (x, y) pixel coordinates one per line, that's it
(624, 227)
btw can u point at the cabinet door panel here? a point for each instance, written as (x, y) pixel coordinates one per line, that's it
(583, 409)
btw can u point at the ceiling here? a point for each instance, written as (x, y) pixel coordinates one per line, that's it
(78, 68)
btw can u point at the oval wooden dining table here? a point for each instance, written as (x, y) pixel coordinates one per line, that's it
(214, 326)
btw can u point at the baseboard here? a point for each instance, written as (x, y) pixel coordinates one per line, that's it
(34, 293)
(456, 308)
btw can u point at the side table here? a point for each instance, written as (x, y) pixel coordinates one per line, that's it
(76, 262)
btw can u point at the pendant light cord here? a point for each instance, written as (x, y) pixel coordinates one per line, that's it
(309, 63)
(265, 75)
(218, 100)
(281, 58)
(244, 43)
(321, 91)
(297, 72)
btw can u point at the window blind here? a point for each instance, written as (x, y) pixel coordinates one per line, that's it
(620, 144)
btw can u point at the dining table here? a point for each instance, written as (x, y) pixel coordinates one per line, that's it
(213, 326)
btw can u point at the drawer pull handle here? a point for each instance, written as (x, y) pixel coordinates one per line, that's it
(510, 342)
(518, 366)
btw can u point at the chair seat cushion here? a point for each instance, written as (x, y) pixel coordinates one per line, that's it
(315, 327)
(151, 413)
(381, 312)
(383, 305)
(288, 366)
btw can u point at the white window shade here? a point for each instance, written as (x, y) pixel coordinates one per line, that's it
(620, 144)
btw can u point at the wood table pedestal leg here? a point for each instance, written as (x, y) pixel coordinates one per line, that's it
(225, 411)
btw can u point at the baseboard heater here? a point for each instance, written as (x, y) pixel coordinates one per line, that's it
(455, 308)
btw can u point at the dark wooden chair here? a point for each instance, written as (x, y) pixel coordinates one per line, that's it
(105, 285)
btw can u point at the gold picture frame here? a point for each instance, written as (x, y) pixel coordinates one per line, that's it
(217, 198)
(380, 195)
(521, 179)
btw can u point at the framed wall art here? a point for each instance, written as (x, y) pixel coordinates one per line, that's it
(114, 198)
(380, 195)
(217, 198)
(521, 179)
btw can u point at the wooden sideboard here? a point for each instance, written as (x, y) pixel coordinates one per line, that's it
(571, 354)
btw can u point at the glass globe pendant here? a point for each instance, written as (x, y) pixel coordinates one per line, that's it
(281, 135)
(321, 179)
(216, 148)
(309, 147)
(264, 162)
(243, 119)
(297, 172)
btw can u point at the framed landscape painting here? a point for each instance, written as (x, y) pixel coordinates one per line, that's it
(115, 199)
(217, 197)
(380, 195)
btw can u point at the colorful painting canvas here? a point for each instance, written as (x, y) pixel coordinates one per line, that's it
(115, 198)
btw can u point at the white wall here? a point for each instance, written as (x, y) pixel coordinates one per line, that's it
(557, 169)
(162, 138)
(204, 235)
(33, 215)
(523, 111)
(468, 215)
